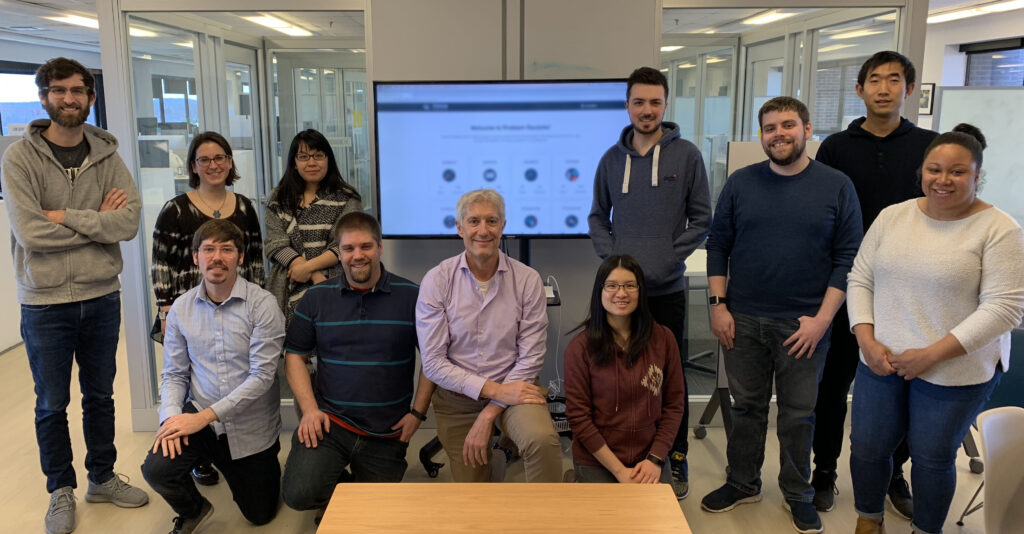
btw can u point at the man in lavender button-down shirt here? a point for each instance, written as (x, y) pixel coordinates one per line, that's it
(482, 323)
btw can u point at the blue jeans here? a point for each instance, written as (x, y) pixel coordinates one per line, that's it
(310, 474)
(55, 335)
(756, 358)
(934, 420)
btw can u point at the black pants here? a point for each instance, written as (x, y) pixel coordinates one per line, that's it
(255, 481)
(670, 311)
(830, 411)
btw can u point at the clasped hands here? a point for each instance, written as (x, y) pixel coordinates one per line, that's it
(909, 364)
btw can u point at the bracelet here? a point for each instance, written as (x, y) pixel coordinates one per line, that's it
(417, 414)
(655, 460)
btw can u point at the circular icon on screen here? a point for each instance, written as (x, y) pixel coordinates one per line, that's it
(571, 221)
(530, 221)
(490, 175)
(530, 174)
(572, 174)
(449, 221)
(448, 175)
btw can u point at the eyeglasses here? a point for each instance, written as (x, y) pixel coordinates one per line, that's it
(614, 287)
(220, 158)
(303, 157)
(78, 92)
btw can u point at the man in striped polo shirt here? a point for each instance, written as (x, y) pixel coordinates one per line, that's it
(361, 412)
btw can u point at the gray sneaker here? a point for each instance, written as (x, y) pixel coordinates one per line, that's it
(188, 525)
(116, 491)
(60, 518)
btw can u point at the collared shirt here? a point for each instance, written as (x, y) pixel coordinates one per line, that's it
(225, 358)
(467, 338)
(366, 349)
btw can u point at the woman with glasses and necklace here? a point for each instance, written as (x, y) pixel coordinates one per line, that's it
(624, 385)
(301, 213)
(210, 172)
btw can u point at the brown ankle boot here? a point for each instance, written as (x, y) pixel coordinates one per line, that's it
(869, 526)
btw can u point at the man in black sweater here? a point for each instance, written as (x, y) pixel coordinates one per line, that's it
(881, 153)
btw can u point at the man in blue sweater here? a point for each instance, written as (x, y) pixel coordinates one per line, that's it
(655, 183)
(361, 412)
(881, 153)
(782, 242)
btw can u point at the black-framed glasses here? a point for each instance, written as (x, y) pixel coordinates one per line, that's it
(219, 159)
(59, 92)
(303, 157)
(614, 287)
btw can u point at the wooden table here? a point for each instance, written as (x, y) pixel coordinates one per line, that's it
(503, 508)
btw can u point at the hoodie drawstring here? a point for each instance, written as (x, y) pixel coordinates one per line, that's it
(654, 170)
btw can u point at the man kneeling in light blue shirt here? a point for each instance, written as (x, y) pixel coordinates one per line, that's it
(219, 393)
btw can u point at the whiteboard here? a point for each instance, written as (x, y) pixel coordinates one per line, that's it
(999, 112)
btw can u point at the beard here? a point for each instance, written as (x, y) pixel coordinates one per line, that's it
(647, 130)
(796, 150)
(359, 276)
(67, 121)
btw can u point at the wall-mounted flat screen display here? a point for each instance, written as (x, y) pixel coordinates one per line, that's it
(536, 142)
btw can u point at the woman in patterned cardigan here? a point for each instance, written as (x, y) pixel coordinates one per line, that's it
(210, 172)
(302, 210)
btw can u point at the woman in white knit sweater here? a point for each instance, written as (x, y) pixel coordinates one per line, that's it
(937, 286)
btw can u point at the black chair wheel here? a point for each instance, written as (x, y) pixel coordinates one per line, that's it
(700, 432)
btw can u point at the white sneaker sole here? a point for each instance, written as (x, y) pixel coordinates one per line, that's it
(745, 500)
(798, 529)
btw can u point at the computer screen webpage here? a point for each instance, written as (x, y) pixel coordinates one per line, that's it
(536, 143)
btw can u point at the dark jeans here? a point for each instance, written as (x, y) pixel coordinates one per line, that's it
(934, 420)
(55, 335)
(255, 481)
(311, 474)
(833, 391)
(756, 358)
(670, 311)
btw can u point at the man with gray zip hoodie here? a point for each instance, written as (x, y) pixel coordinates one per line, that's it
(656, 185)
(71, 200)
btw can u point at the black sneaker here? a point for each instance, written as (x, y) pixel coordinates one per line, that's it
(205, 475)
(899, 497)
(680, 475)
(825, 490)
(187, 525)
(805, 517)
(726, 498)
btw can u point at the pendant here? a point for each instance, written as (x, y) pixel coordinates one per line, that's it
(216, 214)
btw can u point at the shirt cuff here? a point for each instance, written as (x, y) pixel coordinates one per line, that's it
(285, 256)
(474, 386)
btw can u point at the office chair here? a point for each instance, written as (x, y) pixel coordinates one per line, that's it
(1002, 446)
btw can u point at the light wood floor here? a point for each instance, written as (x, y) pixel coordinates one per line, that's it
(23, 497)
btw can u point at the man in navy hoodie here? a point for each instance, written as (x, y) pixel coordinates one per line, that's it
(881, 153)
(656, 184)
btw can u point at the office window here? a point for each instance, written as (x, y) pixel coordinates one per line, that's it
(1004, 68)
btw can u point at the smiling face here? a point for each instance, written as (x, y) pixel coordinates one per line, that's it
(314, 168)
(885, 89)
(359, 255)
(210, 171)
(218, 261)
(71, 108)
(784, 136)
(480, 230)
(949, 180)
(623, 298)
(646, 107)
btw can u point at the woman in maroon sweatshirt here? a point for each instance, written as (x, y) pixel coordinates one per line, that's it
(623, 383)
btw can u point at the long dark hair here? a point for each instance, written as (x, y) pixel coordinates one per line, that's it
(600, 341)
(289, 192)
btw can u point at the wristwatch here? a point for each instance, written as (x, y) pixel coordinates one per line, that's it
(716, 300)
(417, 414)
(655, 460)
(162, 315)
